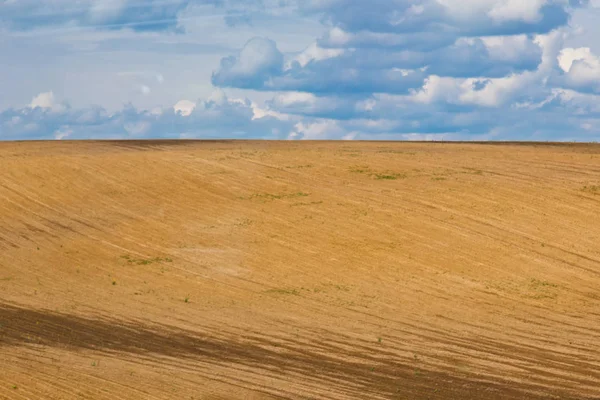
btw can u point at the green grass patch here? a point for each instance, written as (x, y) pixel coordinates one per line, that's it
(243, 222)
(377, 175)
(473, 171)
(146, 261)
(312, 203)
(536, 284)
(343, 288)
(270, 196)
(300, 166)
(389, 177)
(594, 189)
(541, 290)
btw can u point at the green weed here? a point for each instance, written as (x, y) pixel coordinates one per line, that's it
(306, 204)
(270, 196)
(146, 261)
(376, 175)
(244, 222)
(342, 288)
(389, 176)
(535, 284)
(474, 171)
(594, 189)
(300, 166)
(542, 290)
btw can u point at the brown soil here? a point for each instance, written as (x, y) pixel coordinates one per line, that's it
(268, 270)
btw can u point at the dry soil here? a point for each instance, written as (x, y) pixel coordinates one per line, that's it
(317, 270)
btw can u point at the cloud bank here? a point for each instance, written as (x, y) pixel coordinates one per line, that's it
(383, 69)
(214, 117)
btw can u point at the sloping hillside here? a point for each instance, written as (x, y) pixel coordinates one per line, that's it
(253, 270)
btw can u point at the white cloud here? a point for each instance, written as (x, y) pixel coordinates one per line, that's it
(218, 97)
(259, 113)
(496, 92)
(105, 10)
(257, 61)
(287, 99)
(370, 69)
(46, 100)
(499, 11)
(581, 68)
(63, 133)
(438, 88)
(472, 91)
(567, 56)
(43, 100)
(514, 47)
(320, 130)
(517, 10)
(315, 53)
(184, 107)
(233, 117)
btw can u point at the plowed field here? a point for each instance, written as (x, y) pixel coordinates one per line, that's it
(317, 270)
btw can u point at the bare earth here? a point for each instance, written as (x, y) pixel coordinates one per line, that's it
(253, 270)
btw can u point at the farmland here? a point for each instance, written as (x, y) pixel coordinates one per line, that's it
(314, 270)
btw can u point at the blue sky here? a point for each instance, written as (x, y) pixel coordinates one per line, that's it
(300, 69)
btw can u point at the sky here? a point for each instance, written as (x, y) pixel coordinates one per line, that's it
(300, 69)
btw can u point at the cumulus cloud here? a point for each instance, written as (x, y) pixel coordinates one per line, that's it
(256, 63)
(378, 69)
(564, 115)
(518, 106)
(213, 117)
(260, 66)
(47, 101)
(319, 130)
(581, 69)
(480, 69)
(184, 107)
(393, 46)
(326, 70)
(458, 17)
(314, 53)
(336, 37)
(43, 100)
